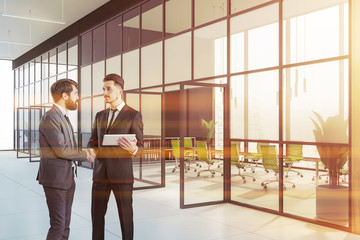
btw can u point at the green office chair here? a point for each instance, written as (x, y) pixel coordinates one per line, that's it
(294, 154)
(235, 161)
(343, 172)
(271, 162)
(175, 144)
(254, 158)
(187, 142)
(204, 156)
(189, 151)
(176, 152)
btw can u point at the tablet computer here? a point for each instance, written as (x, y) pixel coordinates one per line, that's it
(111, 139)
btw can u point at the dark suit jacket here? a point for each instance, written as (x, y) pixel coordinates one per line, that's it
(114, 164)
(57, 152)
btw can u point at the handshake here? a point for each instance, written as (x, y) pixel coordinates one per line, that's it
(90, 155)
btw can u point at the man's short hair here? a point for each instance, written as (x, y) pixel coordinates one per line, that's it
(62, 86)
(116, 78)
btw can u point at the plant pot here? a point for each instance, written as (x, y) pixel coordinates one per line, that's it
(332, 203)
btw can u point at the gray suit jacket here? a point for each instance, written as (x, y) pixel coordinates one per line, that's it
(57, 152)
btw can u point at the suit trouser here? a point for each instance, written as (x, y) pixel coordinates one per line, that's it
(100, 197)
(59, 203)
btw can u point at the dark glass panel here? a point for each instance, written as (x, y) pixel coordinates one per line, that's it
(99, 43)
(86, 48)
(131, 29)
(152, 21)
(114, 37)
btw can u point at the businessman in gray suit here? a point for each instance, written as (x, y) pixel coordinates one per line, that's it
(59, 152)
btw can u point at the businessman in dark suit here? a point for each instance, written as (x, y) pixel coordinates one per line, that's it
(59, 152)
(113, 164)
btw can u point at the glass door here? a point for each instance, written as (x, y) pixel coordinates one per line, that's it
(149, 170)
(204, 134)
(36, 113)
(22, 133)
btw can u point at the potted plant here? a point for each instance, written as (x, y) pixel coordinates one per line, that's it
(208, 130)
(332, 198)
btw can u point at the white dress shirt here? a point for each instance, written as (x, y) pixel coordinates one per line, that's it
(119, 108)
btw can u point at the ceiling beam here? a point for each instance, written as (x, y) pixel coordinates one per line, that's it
(98, 16)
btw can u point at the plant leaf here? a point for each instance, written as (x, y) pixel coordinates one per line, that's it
(204, 123)
(317, 131)
(321, 120)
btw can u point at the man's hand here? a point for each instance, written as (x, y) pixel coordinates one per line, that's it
(128, 145)
(90, 155)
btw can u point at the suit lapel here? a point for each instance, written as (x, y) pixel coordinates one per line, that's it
(103, 123)
(68, 128)
(121, 116)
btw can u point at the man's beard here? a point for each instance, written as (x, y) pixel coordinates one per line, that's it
(71, 105)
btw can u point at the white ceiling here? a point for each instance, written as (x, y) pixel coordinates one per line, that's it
(17, 36)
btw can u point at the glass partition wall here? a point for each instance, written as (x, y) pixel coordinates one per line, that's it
(267, 79)
(32, 93)
(202, 145)
(150, 170)
(290, 106)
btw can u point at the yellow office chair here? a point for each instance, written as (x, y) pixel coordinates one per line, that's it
(204, 156)
(238, 163)
(343, 172)
(254, 158)
(176, 152)
(271, 162)
(189, 151)
(294, 154)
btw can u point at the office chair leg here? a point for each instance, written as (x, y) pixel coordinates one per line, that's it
(177, 165)
(241, 175)
(212, 171)
(293, 184)
(297, 172)
(266, 182)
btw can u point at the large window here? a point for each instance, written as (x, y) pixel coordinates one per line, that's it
(178, 53)
(210, 56)
(32, 92)
(151, 65)
(7, 123)
(178, 16)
